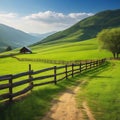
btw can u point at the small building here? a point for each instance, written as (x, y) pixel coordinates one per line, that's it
(25, 50)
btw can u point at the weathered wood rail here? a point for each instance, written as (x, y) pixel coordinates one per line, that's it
(9, 84)
(50, 61)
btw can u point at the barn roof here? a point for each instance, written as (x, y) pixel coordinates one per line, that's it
(25, 49)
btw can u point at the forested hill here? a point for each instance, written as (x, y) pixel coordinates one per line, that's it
(87, 28)
(14, 38)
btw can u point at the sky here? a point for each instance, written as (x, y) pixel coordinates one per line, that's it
(42, 16)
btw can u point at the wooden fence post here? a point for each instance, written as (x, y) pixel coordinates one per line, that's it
(80, 67)
(97, 62)
(102, 60)
(72, 70)
(86, 65)
(55, 70)
(66, 72)
(10, 89)
(90, 64)
(30, 75)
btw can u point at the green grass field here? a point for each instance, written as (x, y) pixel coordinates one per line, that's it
(101, 91)
(69, 51)
(35, 105)
(65, 51)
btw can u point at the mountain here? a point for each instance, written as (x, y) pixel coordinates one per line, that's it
(42, 36)
(14, 38)
(87, 28)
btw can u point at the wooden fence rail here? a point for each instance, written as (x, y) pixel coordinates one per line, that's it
(30, 79)
(50, 61)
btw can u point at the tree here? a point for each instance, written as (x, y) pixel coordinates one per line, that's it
(110, 40)
(8, 48)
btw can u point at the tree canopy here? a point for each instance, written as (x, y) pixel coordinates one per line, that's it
(110, 40)
(8, 48)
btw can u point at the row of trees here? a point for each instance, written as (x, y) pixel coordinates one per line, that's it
(110, 39)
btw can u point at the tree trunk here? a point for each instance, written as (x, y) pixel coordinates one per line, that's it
(113, 55)
(117, 55)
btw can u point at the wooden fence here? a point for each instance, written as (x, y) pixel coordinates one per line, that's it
(28, 80)
(51, 61)
(9, 55)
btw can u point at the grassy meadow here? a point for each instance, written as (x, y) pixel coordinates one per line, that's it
(64, 51)
(36, 104)
(68, 51)
(101, 90)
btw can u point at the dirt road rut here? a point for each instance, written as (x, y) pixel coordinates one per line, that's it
(65, 108)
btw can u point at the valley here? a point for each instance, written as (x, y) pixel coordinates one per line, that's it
(101, 87)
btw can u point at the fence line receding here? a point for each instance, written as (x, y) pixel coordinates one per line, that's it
(12, 87)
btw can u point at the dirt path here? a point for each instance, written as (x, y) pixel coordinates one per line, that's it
(65, 108)
(88, 111)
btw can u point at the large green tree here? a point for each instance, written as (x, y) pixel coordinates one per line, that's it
(110, 40)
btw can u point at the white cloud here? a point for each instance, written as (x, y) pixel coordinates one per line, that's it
(46, 17)
(54, 17)
(79, 15)
(7, 15)
(43, 21)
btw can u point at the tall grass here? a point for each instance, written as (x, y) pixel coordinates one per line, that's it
(102, 92)
(34, 106)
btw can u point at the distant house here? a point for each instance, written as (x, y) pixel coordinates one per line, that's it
(25, 50)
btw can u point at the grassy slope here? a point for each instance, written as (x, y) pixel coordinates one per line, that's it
(14, 38)
(69, 51)
(87, 28)
(105, 105)
(103, 92)
(34, 106)
(42, 97)
(13, 66)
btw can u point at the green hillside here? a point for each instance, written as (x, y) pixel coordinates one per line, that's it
(87, 28)
(70, 51)
(104, 104)
(14, 38)
(67, 49)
